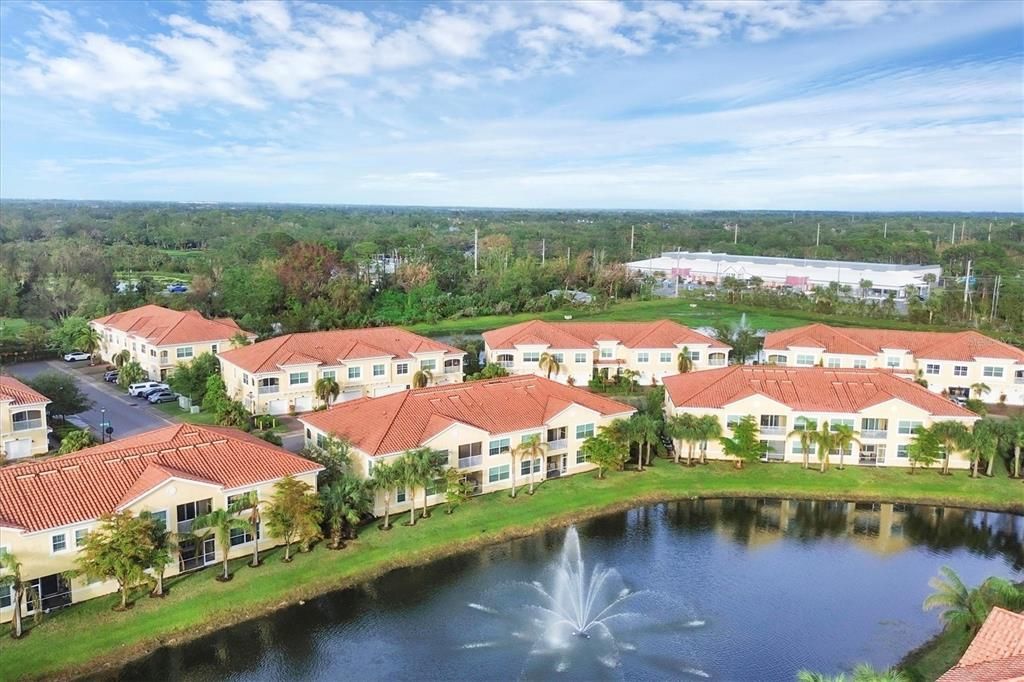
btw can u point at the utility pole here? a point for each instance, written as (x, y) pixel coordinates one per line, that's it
(963, 226)
(817, 239)
(632, 239)
(543, 250)
(967, 285)
(476, 250)
(735, 233)
(995, 298)
(990, 231)
(885, 231)
(952, 237)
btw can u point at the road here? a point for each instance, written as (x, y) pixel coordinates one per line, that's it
(126, 415)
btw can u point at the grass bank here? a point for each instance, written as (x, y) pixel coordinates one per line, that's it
(933, 658)
(89, 635)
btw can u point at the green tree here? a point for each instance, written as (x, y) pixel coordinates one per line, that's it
(293, 514)
(10, 579)
(808, 436)
(191, 378)
(75, 440)
(532, 448)
(646, 431)
(953, 436)
(344, 502)
(710, 429)
(456, 489)
(65, 335)
(415, 473)
(131, 373)
(744, 444)
(982, 444)
(1014, 431)
(335, 455)
(422, 378)
(549, 364)
(924, 449)
(385, 477)
(981, 389)
(491, 370)
(120, 550)
(682, 428)
(684, 363)
(220, 523)
(66, 397)
(843, 439)
(252, 503)
(606, 454)
(966, 608)
(160, 548)
(327, 390)
(88, 340)
(121, 358)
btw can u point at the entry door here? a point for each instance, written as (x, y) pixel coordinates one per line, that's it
(209, 550)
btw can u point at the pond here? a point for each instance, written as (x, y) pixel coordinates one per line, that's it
(716, 589)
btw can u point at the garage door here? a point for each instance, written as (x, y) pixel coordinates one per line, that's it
(21, 447)
(387, 390)
(350, 394)
(304, 404)
(277, 407)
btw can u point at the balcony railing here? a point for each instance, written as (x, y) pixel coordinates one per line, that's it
(874, 433)
(773, 430)
(560, 444)
(28, 424)
(453, 370)
(468, 462)
(269, 389)
(1018, 380)
(185, 527)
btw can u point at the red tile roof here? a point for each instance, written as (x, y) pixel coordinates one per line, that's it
(997, 652)
(402, 421)
(18, 393)
(164, 327)
(333, 347)
(86, 484)
(815, 389)
(585, 335)
(965, 346)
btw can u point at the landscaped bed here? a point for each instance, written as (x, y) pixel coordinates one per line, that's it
(90, 634)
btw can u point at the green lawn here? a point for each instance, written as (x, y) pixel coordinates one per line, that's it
(158, 277)
(174, 412)
(89, 633)
(936, 656)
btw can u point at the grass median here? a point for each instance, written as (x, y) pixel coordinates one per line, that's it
(89, 635)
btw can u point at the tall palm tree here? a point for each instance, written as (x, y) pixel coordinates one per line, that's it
(422, 378)
(1014, 431)
(344, 502)
(122, 358)
(10, 578)
(405, 473)
(684, 363)
(385, 477)
(88, 340)
(220, 522)
(709, 429)
(327, 390)
(965, 607)
(807, 436)
(981, 389)
(646, 430)
(254, 505)
(532, 448)
(982, 444)
(825, 438)
(953, 436)
(811, 676)
(844, 438)
(549, 363)
(433, 466)
(683, 428)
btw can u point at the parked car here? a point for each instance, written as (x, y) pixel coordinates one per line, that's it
(177, 288)
(110, 376)
(959, 400)
(145, 393)
(162, 396)
(139, 388)
(76, 356)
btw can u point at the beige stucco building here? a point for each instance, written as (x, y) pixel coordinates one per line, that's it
(477, 425)
(883, 409)
(23, 427)
(159, 339)
(586, 349)
(950, 362)
(278, 376)
(177, 473)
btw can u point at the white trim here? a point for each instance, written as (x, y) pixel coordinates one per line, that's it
(171, 479)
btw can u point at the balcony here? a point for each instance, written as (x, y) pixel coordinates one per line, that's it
(560, 444)
(773, 430)
(265, 390)
(185, 527)
(28, 424)
(453, 370)
(470, 462)
(875, 434)
(1018, 380)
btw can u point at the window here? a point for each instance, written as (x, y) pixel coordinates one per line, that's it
(400, 495)
(643, 356)
(5, 597)
(907, 428)
(695, 355)
(803, 359)
(452, 365)
(329, 374)
(402, 368)
(559, 357)
(58, 542)
(29, 419)
(213, 348)
(268, 385)
(665, 356)
(160, 517)
(777, 360)
(581, 457)
(892, 361)
(378, 370)
(80, 536)
(772, 421)
(931, 369)
(901, 451)
(732, 420)
(235, 499)
(959, 370)
(833, 363)
(428, 364)
(355, 373)
(995, 372)
(557, 435)
(470, 450)
(524, 466)
(877, 425)
(805, 424)
(245, 379)
(528, 436)
(498, 473)
(152, 352)
(860, 364)
(580, 357)
(836, 423)
(584, 431)
(241, 536)
(498, 447)
(182, 352)
(296, 378)
(606, 353)
(798, 448)
(532, 356)
(321, 441)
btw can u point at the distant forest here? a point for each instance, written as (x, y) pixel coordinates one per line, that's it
(293, 268)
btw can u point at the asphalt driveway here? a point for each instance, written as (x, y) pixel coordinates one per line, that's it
(126, 415)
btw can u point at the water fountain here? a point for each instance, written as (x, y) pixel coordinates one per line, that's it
(582, 623)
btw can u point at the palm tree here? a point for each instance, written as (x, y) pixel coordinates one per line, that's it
(433, 465)
(532, 448)
(981, 388)
(709, 429)
(811, 676)
(252, 502)
(952, 435)
(863, 672)
(550, 364)
(684, 428)
(807, 436)
(982, 444)
(405, 474)
(344, 502)
(683, 361)
(843, 440)
(645, 431)
(88, 340)
(122, 358)
(385, 477)
(327, 390)
(161, 544)
(221, 522)
(422, 378)
(11, 579)
(967, 608)
(825, 438)
(1014, 431)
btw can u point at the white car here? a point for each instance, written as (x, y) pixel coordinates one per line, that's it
(136, 389)
(75, 356)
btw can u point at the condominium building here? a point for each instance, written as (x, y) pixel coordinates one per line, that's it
(279, 375)
(23, 428)
(476, 425)
(584, 350)
(177, 473)
(883, 409)
(959, 364)
(159, 339)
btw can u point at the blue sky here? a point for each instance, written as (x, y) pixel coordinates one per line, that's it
(848, 105)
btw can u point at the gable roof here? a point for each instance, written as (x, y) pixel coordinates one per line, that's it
(814, 389)
(965, 345)
(997, 652)
(332, 348)
(572, 335)
(86, 484)
(402, 421)
(18, 393)
(163, 327)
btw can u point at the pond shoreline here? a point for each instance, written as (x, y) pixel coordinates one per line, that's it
(107, 663)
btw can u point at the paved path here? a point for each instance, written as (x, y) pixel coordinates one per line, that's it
(127, 415)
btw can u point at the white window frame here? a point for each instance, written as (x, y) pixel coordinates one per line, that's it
(85, 536)
(833, 363)
(182, 352)
(643, 357)
(354, 373)
(494, 474)
(665, 356)
(893, 361)
(329, 374)
(959, 370)
(499, 446)
(804, 360)
(531, 356)
(607, 353)
(53, 537)
(932, 368)
(292, 375)
(905, 427)
(584, 431)
(860, 363)
(428, 364)
(402, 368)
(580, 357)
(379, 370)
(992, 372)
